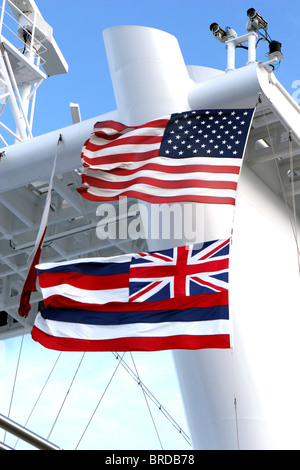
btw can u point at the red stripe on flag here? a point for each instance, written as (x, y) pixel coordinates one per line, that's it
(30, 282)
(158, 199)
(132, 343)
(84, 281)
(131, 140)
(120, 158)
(177, 169)
(157, 182)
(197, 301)
(166, 270)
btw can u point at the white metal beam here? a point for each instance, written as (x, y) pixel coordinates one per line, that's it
(33, 158)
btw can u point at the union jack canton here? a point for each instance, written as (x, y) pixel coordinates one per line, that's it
(180, 272)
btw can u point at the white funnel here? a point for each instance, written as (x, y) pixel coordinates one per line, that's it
(149, 76)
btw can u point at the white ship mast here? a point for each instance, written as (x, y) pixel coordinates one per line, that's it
(246, 398)
(27, 47)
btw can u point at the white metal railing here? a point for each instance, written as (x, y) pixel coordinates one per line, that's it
(20, 33)
(24, 434)
(32, 46)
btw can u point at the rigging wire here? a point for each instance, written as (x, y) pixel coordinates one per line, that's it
(64, 400)
(236, 423)
(145, 396)
(40, 394)
(293, 225)
(235, 403)
(97, 406)
(124, 364)
(152, 397)
(15, 381)
(293, 192)
(146, 392)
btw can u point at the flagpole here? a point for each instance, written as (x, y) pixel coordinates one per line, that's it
(34, 257)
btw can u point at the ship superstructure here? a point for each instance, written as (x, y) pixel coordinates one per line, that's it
(233, 399)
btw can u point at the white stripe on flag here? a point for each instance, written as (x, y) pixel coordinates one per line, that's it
(61, 329)
(106, 176)
(87, 296)
(124, 258)
(164, 192)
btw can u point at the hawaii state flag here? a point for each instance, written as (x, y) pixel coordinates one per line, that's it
(170, 299)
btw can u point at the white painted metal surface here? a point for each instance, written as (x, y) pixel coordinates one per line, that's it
(40, 150)
(27, 45)
(138, 58)
(232, 398)
(259, 372)
(245, 398)
(26, 12)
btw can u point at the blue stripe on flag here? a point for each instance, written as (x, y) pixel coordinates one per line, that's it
(89, 317)
(92, 269)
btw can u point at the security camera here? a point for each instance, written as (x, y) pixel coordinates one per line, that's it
(222, 35)
(218, 32)
(256, 21)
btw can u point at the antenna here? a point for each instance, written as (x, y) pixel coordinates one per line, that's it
(27, 47)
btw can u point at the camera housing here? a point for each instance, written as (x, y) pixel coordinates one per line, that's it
(222, 35)
(256, 21)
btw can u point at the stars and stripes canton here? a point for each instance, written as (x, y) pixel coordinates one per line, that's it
(194, 156)
(209, 133)
(172, 299)
(182, 271)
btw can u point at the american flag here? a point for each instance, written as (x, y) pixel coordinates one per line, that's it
(96, 304)
(194, 156)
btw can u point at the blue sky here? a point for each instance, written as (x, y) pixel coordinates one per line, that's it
(122, 420)
(78, 28)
